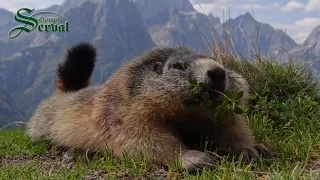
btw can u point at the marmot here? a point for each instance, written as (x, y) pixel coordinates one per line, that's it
(141, 107)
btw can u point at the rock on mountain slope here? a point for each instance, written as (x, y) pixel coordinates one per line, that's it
(8, 110)
(309, 51)
(178, 23)
(118, 36)
(6, 18)
(248, 34)
(29, 75)
(9, 46)
(154, 12)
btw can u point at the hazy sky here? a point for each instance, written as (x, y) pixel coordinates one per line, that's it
(297, 17)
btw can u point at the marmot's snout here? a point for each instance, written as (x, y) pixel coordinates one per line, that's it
(216, 80)
(215, 76)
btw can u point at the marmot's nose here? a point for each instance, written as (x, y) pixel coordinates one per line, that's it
(217, 74)
(216, 80)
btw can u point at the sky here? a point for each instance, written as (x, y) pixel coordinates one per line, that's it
(296, 17)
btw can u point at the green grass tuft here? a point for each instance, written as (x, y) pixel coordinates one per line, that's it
(16, 142)
(274, 80)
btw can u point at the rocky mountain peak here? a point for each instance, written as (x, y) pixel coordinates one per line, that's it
(4, 12)
(245, 18)
(214, 20)
(69, 4)
(150, 9)
(5, 17)
(314, 36)
(309, 51)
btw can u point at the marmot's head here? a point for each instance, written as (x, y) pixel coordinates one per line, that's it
(167, 71)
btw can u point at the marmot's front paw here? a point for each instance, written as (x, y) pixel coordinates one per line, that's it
(193, 160)
(253, 152)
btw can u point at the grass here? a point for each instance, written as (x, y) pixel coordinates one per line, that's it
(16, 142)
(283, 112)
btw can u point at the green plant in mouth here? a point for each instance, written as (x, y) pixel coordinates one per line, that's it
(228, 104)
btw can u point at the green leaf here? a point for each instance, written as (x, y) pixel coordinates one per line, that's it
(209, 114)
(190, 102)
(221, 110)
(229, 94)
(200, 84)
(238, 110)
(205, 96)
(208, 104)
(219, 113)
(225, 103)
(192, 107)
(221, 107)
(239, 95)
(192, 87)
(232, 118)
(193, 82)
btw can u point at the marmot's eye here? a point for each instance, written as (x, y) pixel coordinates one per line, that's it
(158, 67)
(178, 66)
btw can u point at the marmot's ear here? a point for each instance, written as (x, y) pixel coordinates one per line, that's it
(157, 67)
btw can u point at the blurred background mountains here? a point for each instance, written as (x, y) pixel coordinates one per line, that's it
(122, 29)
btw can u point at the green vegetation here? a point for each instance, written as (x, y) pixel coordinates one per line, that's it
(227, 105)
(283, 112)
(16, 142)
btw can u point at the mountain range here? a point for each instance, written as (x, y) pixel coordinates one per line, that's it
(123, 29)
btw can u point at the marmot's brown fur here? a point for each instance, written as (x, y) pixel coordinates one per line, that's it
(141, 107)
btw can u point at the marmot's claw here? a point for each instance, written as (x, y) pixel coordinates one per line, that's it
(255, 152)
(262, 149)
(250, 154)
(193, 160)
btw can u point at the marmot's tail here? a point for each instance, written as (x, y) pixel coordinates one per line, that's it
(75, 72)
